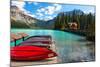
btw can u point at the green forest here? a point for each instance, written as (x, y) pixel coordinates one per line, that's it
(85, 22)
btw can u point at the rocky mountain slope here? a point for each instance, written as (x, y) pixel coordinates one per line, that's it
(21, 20)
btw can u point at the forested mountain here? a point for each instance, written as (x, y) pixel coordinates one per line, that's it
(82, 19)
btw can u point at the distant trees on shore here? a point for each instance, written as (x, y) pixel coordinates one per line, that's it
(85, 22)
(82, 19)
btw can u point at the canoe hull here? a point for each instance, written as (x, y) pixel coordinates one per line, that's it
(32, 58)
(31, 53)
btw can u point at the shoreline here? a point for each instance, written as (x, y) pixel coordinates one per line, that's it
(77, 32)
(82, 33)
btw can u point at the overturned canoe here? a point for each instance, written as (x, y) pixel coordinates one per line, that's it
(46, 39)
(43, 36)
(35, 44)
(31, 53)
(34, 38)
(38, 41)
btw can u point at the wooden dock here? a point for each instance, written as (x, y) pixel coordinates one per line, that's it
(42, 62)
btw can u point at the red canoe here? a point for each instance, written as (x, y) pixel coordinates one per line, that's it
(35, 44)
(43, 42)
(31, 53)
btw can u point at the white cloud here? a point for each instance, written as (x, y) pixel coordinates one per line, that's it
(39, 14)
(49, 10)
(52, 9)
(38, 10)
(57, 7)
(41, 10)
(89, 10)
(35, 3)
(30, 2)
(21, 5)
(48, 18)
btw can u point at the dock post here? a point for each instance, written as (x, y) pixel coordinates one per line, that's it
(23, 38)
(15, 42)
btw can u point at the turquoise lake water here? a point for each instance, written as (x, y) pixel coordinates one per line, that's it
(70, 47)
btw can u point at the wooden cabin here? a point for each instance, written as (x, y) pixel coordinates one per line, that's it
(73, 25)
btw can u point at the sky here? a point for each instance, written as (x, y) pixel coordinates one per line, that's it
(47, 11)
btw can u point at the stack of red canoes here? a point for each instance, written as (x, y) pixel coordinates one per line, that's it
(33, 53)
(29, 52)
(42, 41)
